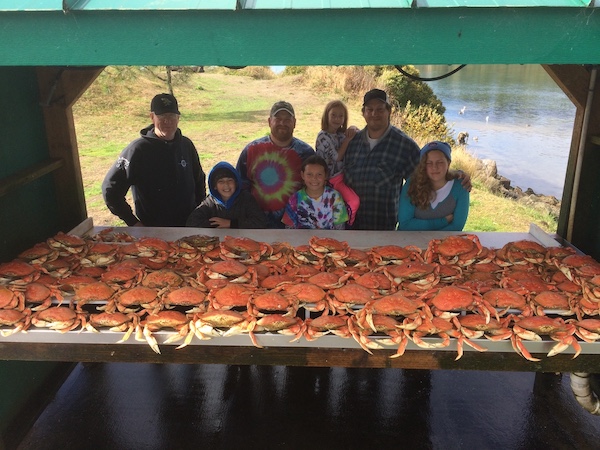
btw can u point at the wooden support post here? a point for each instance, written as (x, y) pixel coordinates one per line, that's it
(59, 90)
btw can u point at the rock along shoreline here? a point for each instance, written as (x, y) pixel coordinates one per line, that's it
(487, 168)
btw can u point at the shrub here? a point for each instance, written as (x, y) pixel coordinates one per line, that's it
(293, 70)
(403, 89)
(423, 123)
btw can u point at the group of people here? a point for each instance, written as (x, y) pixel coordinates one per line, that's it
(354, 179)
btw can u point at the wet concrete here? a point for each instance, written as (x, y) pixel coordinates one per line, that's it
(144, 406)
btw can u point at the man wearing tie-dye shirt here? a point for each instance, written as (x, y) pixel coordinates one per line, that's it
(270, 166)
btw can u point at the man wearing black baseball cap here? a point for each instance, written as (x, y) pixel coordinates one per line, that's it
(376, 163)
(270, 166)
(163, 170)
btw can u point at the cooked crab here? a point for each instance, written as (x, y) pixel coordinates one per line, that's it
(532, 328)
(161, 320)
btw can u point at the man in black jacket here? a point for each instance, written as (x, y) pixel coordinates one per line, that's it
(227, 206)
(163, 170)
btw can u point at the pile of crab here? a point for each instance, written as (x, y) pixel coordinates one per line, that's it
(202, 287)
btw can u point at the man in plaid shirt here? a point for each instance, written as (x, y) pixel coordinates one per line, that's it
(376, 163)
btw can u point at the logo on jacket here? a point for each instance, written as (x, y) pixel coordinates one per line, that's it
(183, 163)
(122, 163)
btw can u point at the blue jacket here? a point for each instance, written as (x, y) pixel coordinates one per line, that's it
(456, 203)
(241, 208)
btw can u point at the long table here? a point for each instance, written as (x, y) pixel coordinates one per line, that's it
(328, 351)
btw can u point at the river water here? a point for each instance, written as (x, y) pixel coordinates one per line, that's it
(515, 115)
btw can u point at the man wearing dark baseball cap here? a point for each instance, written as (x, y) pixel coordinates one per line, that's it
(270, 166)
(376, 163)
(163, 170)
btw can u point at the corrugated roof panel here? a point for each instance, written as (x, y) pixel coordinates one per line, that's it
(323, 4)
(112, 5)
(142, 5)
(502, 3)
(31, 5)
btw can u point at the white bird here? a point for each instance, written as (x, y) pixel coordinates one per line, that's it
(462, 110)
(475, 138)
(487, 119)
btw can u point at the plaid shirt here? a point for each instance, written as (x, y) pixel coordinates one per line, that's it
(377, 175)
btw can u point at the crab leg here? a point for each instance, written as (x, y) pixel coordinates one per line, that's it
(151, 340)
(518, 346)
(127, 333)
(563, 344)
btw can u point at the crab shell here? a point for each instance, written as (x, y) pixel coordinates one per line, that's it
(41, 293)
(322, 247)
(554, 301)
(271, 302)
(185, 296)
(452, 299)
(39, 254)
(355, 258)
(475, 326)
(375, 281)
(588, 329)
(393, 254)
(353, 294)
(224, 269)
(67, 244)
(162, 278)
(18, 272)
(198, 242)
(232, 295)
(165, 319)
(100, 254)
(507, 299)
(461, 249)
(123, 275)
(10, 299)
(325, 324)
(274, 281)
(114, 320)
(97, 291)
(219, 318)
(12, 317)
(58, 318)
(245, 249)
(132, 299)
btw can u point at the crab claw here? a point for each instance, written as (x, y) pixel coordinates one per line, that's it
(518, 346)
(563, 344)
(401, 347)
(151, 340)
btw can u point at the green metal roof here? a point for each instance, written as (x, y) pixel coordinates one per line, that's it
(295, 32)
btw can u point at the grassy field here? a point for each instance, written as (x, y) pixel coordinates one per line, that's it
(221, 113)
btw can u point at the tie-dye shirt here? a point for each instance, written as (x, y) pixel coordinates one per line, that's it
(327, 213)
(272, 173)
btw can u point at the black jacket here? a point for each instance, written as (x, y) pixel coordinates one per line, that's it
(242, 208)
(166, 179)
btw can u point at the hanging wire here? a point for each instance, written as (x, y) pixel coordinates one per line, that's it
(441, 77)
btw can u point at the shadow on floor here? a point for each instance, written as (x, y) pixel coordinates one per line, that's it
(144, 406)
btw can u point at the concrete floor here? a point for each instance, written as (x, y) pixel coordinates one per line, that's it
(144, 406)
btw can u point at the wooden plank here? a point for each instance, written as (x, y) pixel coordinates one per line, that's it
(301, 356)
(28, 175)
(572, 79)
(59, 88)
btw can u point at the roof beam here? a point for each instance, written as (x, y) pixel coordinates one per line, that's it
(359, 37)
